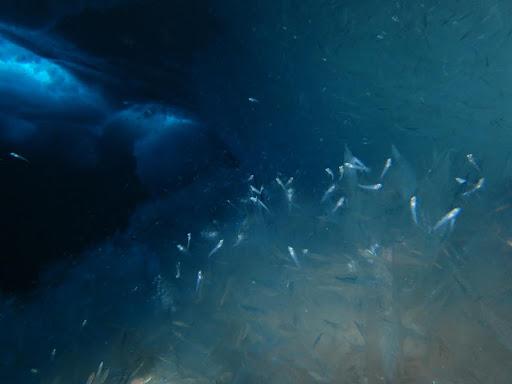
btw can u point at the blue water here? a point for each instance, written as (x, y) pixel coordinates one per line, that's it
(267, 192)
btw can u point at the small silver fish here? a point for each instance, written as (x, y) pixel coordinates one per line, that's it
(216, 248)
(357, 167)
(250, 178)
(472, 161)
(341, 170)
(371, 187)
(178, 269)
(290, 180)
(339, 204)
(460, 180)
(291, 251)
(181, 248)
(479, 185)
(257, 201)
(329, 172)
(189, 238)
(289, 195)
(239, 238)
(449, 217)
(328, 192)
(385, 170)
(18, 157)
(199, 280)
(253, 100)
(413, 203)
(281, 184)
(255, 190)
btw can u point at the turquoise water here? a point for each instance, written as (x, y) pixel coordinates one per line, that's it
(331, 204)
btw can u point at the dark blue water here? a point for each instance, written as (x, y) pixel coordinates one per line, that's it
(263, 192)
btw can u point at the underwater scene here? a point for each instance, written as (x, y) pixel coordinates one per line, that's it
(266, 191)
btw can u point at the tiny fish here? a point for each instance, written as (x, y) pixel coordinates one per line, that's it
(290, 180)
(472, 161)
(253, 100)
(189, 238)
(199, 280)
(385, 170)
(257, 201)
(291, 251)
(255, 190)
(479, 185)
(181, 248)
(317, 340)
(329, 172)
(216, 248)
(18, 157)
(178, 269)
(328, 192)
(84, 323)
(356, 167)
(341, 170)
(250, 178)
(339, 204)
(239, 238)
(449, 217)
(413, 203)
(371, 187)
(280, 183)
(460, 180)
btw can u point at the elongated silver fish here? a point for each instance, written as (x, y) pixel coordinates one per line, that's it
(479, 185)
(339, 204)
(178, 269)
(449, 217)
(341, 170)
(330, 173)
(18, 157)
(216, 248)
(472, 161)
(291, 251)
(328, 192)
(199, 280)
(385, 170)
(371, 187)
(413, 203)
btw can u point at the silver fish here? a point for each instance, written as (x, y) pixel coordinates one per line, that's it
(189, 238)
(18, 157)
(329, 172)
(339, 204)
(281, 184)
(449, 217)
(385, 170)
(216, 248)
(290, 180)
(413, 203)
(479, 185)
(253, 100)
(291, 251)
(341, 170)
(255, 190)
(257, 201)
(199, 280)
(328, 192)
(356, 167)
(178, 269)
(181, 248)
(472, 161)
(460, 180)
(371, 187)
(239, 238)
